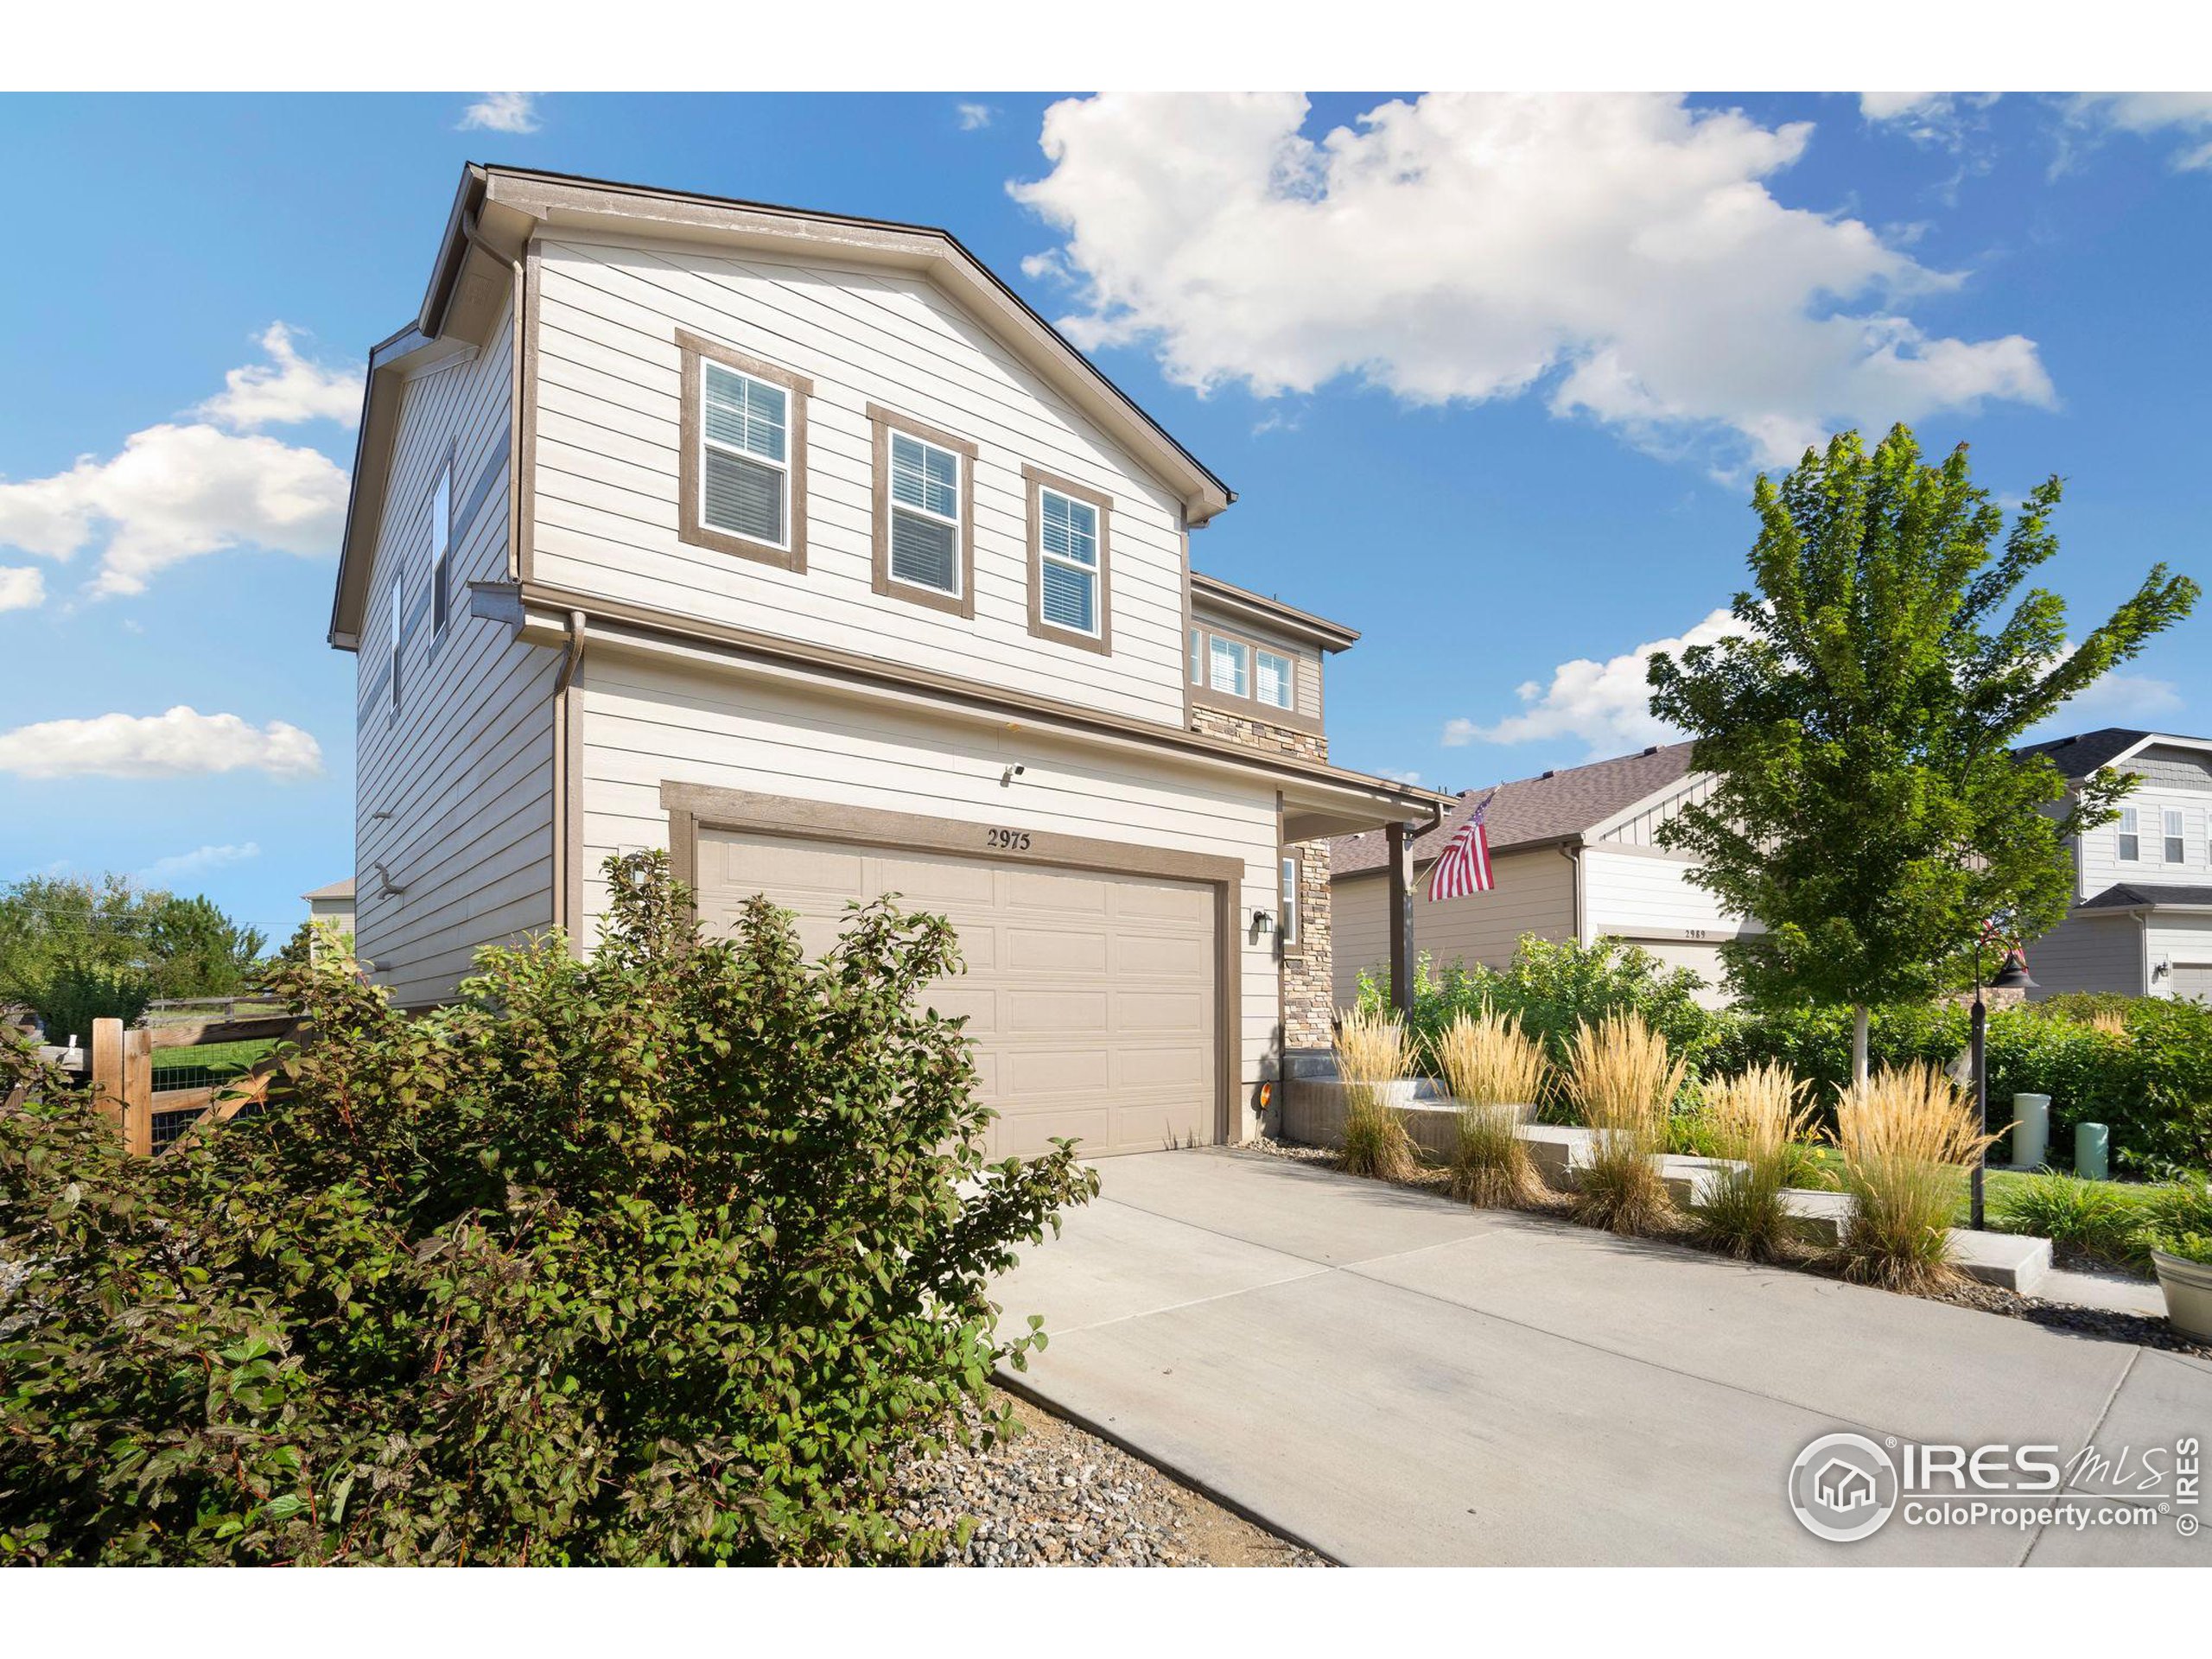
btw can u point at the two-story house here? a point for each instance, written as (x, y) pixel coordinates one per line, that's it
(2142, 916)
(798, 545)
(1575, 855)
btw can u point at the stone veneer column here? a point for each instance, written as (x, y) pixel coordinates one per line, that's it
(1308, 988)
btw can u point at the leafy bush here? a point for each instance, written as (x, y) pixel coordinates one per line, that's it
(668, 1257)
(2190, 1247)
(68, 996)
(1551, 989)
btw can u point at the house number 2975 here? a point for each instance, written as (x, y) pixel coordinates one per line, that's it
(1012, 840)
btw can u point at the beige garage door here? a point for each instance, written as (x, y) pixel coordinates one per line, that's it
(1089, 998)
(1700, 958)
(2193, 979)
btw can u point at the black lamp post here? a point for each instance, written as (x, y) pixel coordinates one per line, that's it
(2012, 976)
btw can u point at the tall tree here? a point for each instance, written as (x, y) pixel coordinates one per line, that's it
(1871, 810)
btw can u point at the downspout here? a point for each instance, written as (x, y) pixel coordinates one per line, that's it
(574, 659)
(1571, 852)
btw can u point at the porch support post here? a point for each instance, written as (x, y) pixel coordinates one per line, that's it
(1401, 866)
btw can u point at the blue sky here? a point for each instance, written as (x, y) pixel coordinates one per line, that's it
(1518, 437)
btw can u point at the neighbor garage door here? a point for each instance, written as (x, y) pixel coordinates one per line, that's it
(1090, 998)
(1700, 958)
(2193, 979)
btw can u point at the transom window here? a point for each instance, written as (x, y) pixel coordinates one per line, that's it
(1273, 685)
(924, 514)
(2131, 834)
(745, 455)
(1068, 533)
(2173, 838)
(1229, 666)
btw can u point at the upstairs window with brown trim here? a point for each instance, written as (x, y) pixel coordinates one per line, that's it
(742, 478)
(1069, 594)
(1236, 674)
(925, 539)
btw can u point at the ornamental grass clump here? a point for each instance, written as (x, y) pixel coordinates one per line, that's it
(1372, 1054)
(1904, 1135)
(1755, 1120)
(1622, 1077)
(1497, 1073)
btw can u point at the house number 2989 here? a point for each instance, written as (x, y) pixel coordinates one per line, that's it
(1012, 840)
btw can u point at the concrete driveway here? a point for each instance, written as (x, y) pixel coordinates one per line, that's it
(1395, 1379)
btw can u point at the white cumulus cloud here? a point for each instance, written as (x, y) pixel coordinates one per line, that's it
(286, 390)
(23, 588)
(180, 489)
(182, 743)
(2138, 697)
(502, 112)
(1607, 705)
(1622, 252)
(2151, 115)
(198, 861)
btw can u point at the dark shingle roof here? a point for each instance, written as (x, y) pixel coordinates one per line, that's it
(1533, 811)
(2135, 895)
(2081, 754)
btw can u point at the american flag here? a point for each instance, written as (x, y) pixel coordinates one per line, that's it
(1464, 865)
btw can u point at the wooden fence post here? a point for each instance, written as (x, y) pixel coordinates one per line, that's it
(107, 1068)
(138, 1091)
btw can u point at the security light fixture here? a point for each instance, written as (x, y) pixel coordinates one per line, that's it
(1006, 778)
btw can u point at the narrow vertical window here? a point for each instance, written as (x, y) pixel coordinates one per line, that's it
(2173, 838)
(1197, 656)
(2130, 841)
(398, 620)
(440, 546)
(1290, 901)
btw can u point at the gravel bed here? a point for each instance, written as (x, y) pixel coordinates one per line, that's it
(2106, 1323)
(1056, 1496)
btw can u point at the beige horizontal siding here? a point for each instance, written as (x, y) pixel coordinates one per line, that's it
(453, 794)
(605, 476)
(2089, 952)
(649, 720)
(1534, 894)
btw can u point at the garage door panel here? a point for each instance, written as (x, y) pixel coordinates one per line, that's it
(1089, 999)
(1057, 951)
(1143, 955)
(1161, 901)
(2193, 980)
(1061, 891)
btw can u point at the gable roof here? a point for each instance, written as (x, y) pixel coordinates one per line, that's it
(2086, 753)
(496, 210)
(1242, 604)
(336, 890)
(1545, 811)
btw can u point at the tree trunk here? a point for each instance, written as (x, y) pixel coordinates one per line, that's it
(1858, 1042)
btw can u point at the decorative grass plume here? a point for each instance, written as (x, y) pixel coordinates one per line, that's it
(1905, 1133)
(1372, 1051)
(1620, 1073)
(1756, 1119)
(1497, 1073)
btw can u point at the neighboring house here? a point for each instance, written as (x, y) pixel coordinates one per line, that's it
(2142, 916)
(1573, 857)
(798, 545)
(332, 904)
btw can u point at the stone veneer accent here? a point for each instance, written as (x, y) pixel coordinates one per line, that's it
(1309, 992)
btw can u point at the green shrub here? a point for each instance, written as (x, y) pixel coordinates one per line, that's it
(1552, 989)
(668, 1257)
(2190, 1247)
(69, 995)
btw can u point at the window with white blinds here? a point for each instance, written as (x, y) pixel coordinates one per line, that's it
(1229, 667)
(2131, 834)
(1068, 562)
(745, 455)
(924, 514)
(1272, 679)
